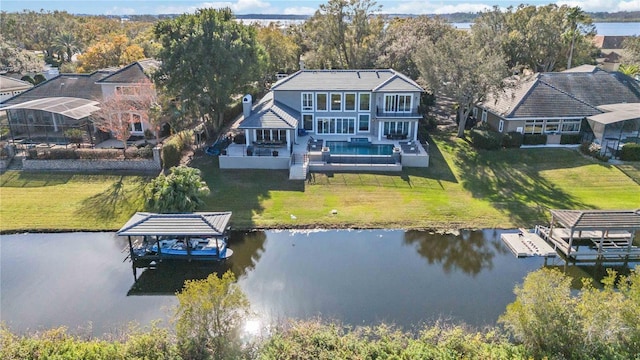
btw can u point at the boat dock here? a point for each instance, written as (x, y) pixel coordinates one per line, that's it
(525, 244)
(593, 235)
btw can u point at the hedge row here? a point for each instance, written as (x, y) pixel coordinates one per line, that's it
(630, 152)
(172, 149)
(132, 152)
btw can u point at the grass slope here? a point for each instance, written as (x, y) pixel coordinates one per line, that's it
(462, 188)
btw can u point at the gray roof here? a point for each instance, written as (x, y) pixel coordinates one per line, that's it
(270, 114)
(598, 219)
(563, 94)
(185, 224)
(617, 112)
(74, 108)
(11, 84)
(347, 80)
(132, 73)
(64, 85)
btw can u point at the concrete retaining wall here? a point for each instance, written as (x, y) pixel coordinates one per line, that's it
(90, 165)
(254, 162)
(419, 160)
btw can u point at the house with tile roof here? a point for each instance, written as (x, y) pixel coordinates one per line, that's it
(44, 112)
(10, 87)
(557, 103)
(331, 111)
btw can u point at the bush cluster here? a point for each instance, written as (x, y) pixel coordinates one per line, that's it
(132, 152)
(534, 139)
(630, 152)
(593, 150)
(172, 149)
(486, 139)
(512, 139)
(569, 139)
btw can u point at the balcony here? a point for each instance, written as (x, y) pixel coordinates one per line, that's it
(380, 113)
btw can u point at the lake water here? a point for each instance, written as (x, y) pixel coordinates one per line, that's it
(609, 29)
(359, 277)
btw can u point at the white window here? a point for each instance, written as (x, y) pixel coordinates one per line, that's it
(571, 125)
(307, 101)
(336, 126)
(501, 126)
(136, 123)
(484, 115)
(321, 102)
(397, 103)
(127, 90)
(307, 121)
(552, 126)
(533, 126)
(395, 127)
(363, 122)
(271, 135)
(364, 102)
(349, 101)
(336, 101)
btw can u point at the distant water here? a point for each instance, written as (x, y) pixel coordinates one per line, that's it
(609, 29)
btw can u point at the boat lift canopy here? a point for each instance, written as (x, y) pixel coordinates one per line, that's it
(204, 224)
(581, 220)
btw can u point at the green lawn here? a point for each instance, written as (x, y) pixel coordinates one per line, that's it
(461, 189)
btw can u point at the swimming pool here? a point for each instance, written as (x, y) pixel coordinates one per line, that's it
(347, 148)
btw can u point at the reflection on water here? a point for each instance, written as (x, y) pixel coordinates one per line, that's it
(358, 277)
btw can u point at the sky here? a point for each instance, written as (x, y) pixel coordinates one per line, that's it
(299, 7)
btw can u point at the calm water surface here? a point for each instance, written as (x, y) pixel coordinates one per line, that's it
(359, 277)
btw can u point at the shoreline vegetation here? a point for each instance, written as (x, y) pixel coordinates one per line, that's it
(463, 188)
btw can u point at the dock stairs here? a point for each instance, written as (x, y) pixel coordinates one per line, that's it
(299, 167)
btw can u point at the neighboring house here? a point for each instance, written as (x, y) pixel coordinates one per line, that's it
(10, 87)
(44, 112)
(557, 103)
(611, 51)
(368, 106)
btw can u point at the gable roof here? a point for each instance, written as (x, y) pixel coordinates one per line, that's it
(347, 80)
(132, 73)
(64, 85)
(608, 41)
(270, 114)
(11, 84)
(183, 224)
(563, 94)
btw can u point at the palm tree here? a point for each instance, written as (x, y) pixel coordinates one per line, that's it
(632, 70)
(577, 22)
(67, 44)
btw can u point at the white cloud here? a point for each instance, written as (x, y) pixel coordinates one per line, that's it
(239, 6)
(120, 11)
(299, 10)
(426, 7)
(603, 5)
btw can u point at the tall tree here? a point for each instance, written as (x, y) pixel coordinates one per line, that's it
(16, 60)
(282, 51)
(344, 34)
(456, 66)
(209, 316)
(577, 24)
(631, 46)
(180, 191)
(67, 44)
(207, 58)
(401, 39)
(114, 50)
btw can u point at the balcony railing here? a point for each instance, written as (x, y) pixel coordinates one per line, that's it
(381, 113)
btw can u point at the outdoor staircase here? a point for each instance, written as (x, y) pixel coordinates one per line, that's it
(299, 167)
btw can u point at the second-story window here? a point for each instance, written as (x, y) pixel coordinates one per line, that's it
(350, 102)
(307, 101)
(127, 90)
(365, 102)
(336, 101)
(321, 101)
(397, 103)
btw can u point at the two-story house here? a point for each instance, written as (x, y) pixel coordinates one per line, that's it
(332, 111)
(43, 113)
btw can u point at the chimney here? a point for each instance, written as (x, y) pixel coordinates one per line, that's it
(246, 105)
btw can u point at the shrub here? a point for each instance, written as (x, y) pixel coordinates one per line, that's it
(534, 139)
(630, 152)
(39, 78)
(99, 154)
(74, 136)
(239, 139)
(512, 139)
(4, 151)
(171, 154)
(570, 139)
(60, 154)
(486, 139)
(180, 191)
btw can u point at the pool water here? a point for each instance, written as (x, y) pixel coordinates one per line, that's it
(346, 148)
